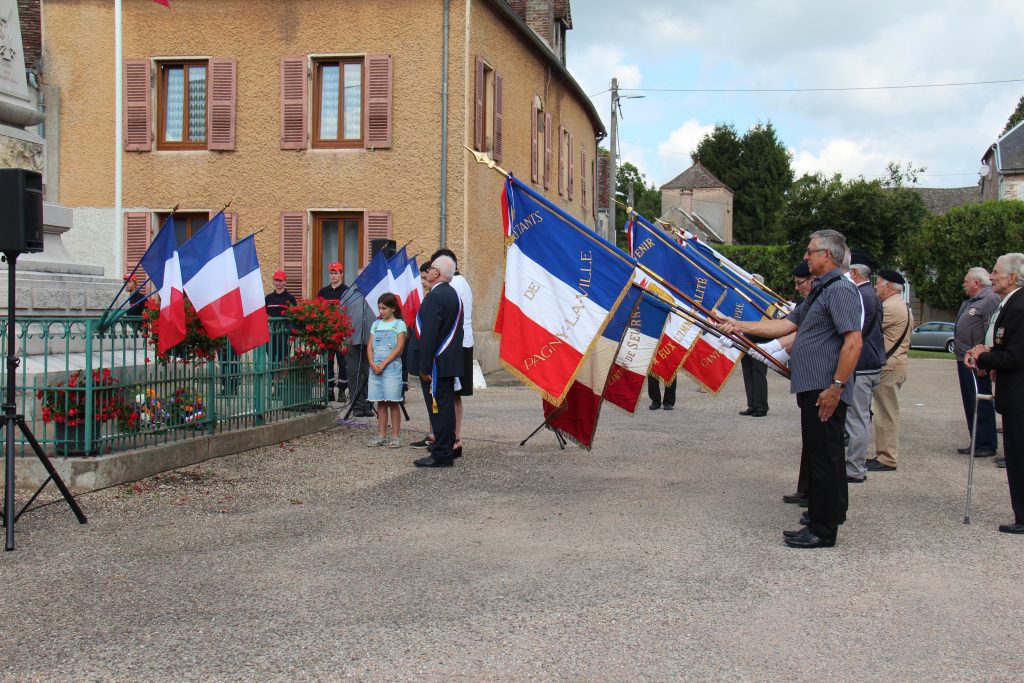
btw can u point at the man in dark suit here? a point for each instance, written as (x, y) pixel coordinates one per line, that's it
(440, 349)
(1002, 354)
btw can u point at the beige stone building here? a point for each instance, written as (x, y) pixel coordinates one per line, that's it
(324, 123)
(700, 202)
(1003, 166)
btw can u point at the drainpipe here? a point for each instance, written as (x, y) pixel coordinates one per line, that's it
(444, 125)
(117, 137)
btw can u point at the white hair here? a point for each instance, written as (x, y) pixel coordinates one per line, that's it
(445, 267)
(980, 275)
(1013, 263)
(862, 270)
(833, 242)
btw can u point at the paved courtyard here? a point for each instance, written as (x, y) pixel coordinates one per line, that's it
(657, 556)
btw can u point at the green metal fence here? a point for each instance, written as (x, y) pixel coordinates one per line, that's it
(87, 392)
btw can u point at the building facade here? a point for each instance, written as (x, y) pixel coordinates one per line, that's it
(1002, 175)
(320, 124)
(699, 195)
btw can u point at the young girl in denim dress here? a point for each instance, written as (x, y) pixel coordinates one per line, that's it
(387, 339)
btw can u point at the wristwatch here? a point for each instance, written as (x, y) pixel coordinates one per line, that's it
(840, 385)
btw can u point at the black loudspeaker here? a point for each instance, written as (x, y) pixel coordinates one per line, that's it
(21, 210)
(389, 247)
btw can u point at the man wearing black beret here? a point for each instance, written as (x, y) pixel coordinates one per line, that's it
(896, 323)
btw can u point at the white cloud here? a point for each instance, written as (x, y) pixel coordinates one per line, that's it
(840, 155)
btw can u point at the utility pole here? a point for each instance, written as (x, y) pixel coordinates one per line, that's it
(613, 141)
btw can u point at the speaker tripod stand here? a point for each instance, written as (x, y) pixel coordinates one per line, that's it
(12, 419)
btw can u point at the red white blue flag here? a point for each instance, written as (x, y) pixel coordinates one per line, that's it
(563, 282)
(628, 376)
(161, 263)
(211, 278)
(254, 330)
(375, 279)
(406, 283)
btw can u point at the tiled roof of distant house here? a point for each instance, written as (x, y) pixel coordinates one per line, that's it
(1009, 150)
(939, 200)
(694, 178)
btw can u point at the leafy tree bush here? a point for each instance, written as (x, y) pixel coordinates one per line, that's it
(938, 254)
(773, 262)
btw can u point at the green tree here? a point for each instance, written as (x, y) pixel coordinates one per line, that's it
(1016, 117)
(758, 169)
(647, 199)
(870, 214)
(943, 248)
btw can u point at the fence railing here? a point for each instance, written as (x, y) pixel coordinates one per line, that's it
(83, 391)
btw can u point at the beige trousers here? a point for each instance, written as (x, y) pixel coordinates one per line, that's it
(887, 414)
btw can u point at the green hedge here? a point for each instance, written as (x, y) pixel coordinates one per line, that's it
(770, 261)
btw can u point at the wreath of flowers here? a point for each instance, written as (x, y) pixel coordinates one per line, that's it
(145, 411)
(198, 346)
(185, 406)
(318, 325)
(67, 405)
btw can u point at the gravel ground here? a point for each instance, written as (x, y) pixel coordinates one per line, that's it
(657, 556)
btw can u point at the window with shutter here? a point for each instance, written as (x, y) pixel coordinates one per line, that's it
(183, 105)
(583, 178)
(186, 223)
(499, 116)
(293, 103)
(563, 161)
(137, 236)
(223, 82)
(379, 78)
(378, 227)
(548, 134)
(337, 237)
(478, 106)
(293, 251)
(137, 132)
(572, 164)
(535, 144)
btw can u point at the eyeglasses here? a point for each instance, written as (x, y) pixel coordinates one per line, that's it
(797, 281)
(811, 251)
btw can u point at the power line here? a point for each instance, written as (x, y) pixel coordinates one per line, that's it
(836, 89)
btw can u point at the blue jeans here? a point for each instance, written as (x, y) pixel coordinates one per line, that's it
(986, 437)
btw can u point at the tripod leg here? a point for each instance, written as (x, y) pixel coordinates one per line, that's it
(404, 411)
(9, 486)
(52, 471)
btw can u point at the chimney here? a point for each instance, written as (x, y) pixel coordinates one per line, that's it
(540, 16)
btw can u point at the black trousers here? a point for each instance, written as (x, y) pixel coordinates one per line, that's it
(986, 438)
(336, 373)
(755, 381)
(357, 369)
(827, 493)
(442, 423)
(654, 391)
(1013, 449)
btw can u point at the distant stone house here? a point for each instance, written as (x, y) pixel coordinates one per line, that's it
(697, 197)
(1003, 173)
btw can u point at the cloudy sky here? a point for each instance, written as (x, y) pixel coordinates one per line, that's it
(652, 45)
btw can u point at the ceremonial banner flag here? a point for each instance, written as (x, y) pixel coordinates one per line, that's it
(628, 376)
(562, 284)
(711, 361)
(577, 417)
(408, 287)
(211, 278)
(254, 330)
(161, 263)
(375, 279)
(677, 338)
(742, 301)
(653, 249)
(165, 3)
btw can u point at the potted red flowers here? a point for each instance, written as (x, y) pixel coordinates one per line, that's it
(65, 405)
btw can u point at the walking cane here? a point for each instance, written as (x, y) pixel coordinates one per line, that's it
(974, 438)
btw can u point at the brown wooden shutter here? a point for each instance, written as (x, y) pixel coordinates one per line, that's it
(534, 151)
(232, 221)
(378, 227)
(571, 175)
(137, 236)
(583, 178)
(547, 150)
(137, 132)
(294, 115)
(478, 107)
(499, 116)
(293, 251)
(223, 84)
(379, 82)
(562, 161)
(593, 198)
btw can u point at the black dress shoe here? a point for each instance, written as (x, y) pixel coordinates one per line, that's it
(668, 406)
(655, 406)
(748, 411)
(984, 453)
(1012, 528)
(758, 413)
(1000, 463)
(874, 466)
(431, 461)
(855, 480)
(805, 519)
(794, 498)
(808, 540)
(793, 534)
(457, 452)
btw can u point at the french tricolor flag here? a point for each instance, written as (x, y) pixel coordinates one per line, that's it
(211, 278)
(374, 279)
(711, 362)
(677, 337)
(161, 263)
(577, 417)
(254, 330)
(405, 278)
(628, 376)
(563, 282)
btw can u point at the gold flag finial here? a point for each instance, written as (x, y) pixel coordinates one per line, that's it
(482, 158)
